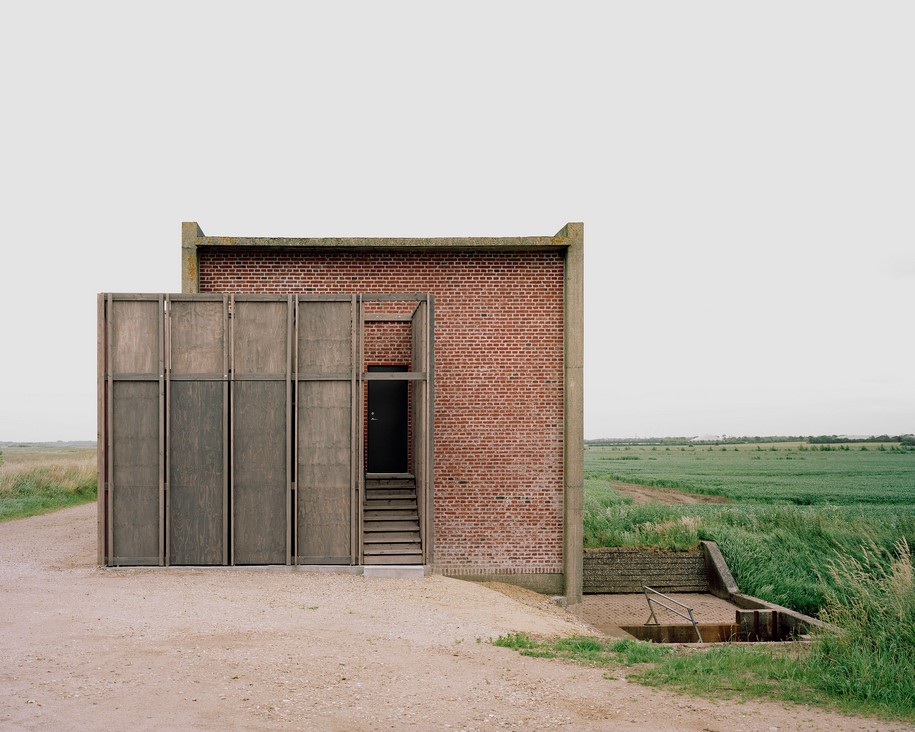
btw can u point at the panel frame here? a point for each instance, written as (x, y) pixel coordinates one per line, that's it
(170, 299)
(356, 376)
(286, 378)
(352, 377)
(108, 553)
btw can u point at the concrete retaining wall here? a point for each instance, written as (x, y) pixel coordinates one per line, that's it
(620, 570)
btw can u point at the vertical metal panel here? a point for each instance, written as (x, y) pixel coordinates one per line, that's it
(197, 423)
(260, 471)
(109, 408)
(133, 429)
(134, 342)
(196, 473)
(290, 426)
(135, 474)
(324, 472)
(161, 430)
(355, 493)
(325, 340)
(259, 339)
(324, 431)
(167, 414)
(197, 337)
(102, 438)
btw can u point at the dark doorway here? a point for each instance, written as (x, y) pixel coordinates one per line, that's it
(387, 420)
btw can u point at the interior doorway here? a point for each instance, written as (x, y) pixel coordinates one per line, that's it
(387, 423)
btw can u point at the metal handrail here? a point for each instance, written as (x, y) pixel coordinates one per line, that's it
(688, 609)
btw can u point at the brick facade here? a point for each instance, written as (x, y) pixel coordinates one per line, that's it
(499, 375)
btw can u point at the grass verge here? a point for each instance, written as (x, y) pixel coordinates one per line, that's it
(28, 489)
(865, 666)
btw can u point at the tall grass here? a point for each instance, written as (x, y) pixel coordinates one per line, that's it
(871, 655)
(775, 552)
(34, 481)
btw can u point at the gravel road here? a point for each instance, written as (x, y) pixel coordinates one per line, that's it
(276, 649)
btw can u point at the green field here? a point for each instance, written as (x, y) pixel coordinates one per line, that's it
(784, 473)
(827, 530)
(793, 509)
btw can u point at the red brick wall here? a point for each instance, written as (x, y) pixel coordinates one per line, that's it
(498, 385)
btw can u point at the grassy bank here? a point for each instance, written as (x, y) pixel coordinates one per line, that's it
(36, 480)
(826, 530)
(777, 548)
(865, 666)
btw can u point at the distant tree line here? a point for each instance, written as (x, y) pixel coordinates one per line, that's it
(907, 440)
(836, 440)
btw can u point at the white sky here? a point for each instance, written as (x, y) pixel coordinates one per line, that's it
(745, 172)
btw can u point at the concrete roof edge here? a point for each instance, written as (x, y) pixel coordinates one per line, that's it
(570, 233)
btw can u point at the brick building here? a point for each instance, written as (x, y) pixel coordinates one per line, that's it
(461, 359)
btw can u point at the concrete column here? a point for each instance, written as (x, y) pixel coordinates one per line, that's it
(574, 433)
(190, 271)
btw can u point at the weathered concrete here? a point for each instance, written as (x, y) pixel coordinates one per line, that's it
(624, 570)
(791, 622)
(721, 582)
(544, 583)
(395, 571)
(573, 445)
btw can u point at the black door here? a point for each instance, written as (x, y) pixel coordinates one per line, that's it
(387, 417)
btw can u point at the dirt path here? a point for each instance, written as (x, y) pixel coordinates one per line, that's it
(183, 649)
(651, 494)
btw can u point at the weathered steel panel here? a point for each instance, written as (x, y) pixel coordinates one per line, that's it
(260, 338)
(197, 337)
(196, 472)
(325, 337)
(323, 472)
(135, 473)
(134, 337)
(260, 480)
(259, 472)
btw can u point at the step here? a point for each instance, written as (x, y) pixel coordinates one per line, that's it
(391, 536)
(390, 503)
(389, 514)
(403, 547)
(383, 494)
(393, 559)
(371, 526)
(404, 550)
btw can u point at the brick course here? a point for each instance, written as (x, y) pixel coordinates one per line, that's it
(498, 479)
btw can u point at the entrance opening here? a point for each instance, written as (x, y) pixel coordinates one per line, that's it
(387, 423)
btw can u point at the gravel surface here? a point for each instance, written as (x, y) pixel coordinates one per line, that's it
(276, 649)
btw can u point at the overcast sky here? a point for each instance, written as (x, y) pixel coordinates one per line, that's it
(745, 172)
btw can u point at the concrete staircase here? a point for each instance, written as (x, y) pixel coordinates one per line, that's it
(390, 522)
